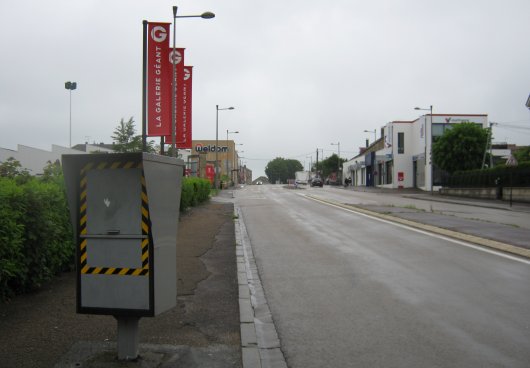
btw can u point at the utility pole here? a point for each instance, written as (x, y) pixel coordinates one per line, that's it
(488, 147)
(316, 168)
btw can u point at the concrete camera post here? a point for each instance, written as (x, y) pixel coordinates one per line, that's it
(124, 209)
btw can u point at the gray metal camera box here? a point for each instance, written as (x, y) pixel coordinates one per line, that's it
(124, 209)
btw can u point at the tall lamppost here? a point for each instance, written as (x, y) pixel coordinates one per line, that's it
(428, 142)
(237, 167)
(375, 133)
(217, 109)
(70, 86)
(173, 57)
(227, 132)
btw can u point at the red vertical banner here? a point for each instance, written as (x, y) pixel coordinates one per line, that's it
(158, 80)
(184, 131)
(178, 59)
(210, 172)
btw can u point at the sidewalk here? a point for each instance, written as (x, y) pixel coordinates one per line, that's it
(203, 330)
(506, 238)
(437, 197)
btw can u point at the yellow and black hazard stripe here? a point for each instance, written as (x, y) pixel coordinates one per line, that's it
(83, 241)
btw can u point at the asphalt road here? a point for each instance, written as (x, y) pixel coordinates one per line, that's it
(346, 290)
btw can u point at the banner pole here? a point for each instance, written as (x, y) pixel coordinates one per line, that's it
(144, 88)
(174, 89)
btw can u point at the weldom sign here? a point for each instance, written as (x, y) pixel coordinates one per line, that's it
(200, 148)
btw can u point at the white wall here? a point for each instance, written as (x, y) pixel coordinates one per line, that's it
(33, 159)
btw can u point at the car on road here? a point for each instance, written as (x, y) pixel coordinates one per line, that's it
(317, 182)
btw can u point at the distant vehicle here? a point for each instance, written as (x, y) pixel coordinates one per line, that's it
(302, 177)
(317, 182)
(259, 183)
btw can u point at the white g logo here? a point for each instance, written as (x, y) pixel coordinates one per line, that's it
(158, 34)
(187, 74)
(175, 58)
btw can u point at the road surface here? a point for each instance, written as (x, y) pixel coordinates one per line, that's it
(347, 290)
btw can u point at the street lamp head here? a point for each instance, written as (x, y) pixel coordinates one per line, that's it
(224, 108)
(70, 85)
(207, 15)
(419, 108)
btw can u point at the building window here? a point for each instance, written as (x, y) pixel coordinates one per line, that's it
(401, 142)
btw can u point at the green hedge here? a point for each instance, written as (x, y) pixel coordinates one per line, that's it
(194, 191)
(36, 240)
(517, 176)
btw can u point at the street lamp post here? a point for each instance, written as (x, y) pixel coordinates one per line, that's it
(429, 143)
(205, 15)
(375, 133)
(217, 109)
(227, 132)
(70, 86)
(235, 161)
(237, 167)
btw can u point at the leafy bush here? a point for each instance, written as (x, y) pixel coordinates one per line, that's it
(36, 239)
(194, 192)
(517, 176)
(12, 210)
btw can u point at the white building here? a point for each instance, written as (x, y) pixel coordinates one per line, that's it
(35, 160)
(401, 158)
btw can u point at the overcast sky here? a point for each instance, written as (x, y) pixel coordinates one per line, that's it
(301, 74)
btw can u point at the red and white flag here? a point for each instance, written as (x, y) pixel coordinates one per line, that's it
(158, 80)
(184, 129)
(178, 59)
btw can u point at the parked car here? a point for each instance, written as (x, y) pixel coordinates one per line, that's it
(317, 182)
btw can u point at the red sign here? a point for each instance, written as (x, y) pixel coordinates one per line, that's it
(210, 172)
(158, 80)
(401, 176)
(178, 58)
(184, 128)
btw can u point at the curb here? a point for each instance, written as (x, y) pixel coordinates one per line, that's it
(260, 344)
(493, 244)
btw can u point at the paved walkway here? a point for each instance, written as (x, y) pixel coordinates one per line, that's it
(506, 238)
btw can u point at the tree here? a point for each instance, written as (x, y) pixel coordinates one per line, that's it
(282, 169)
(126, 140)
(12, 168)
(460, 148)
(522, 154)
(53, 172)
(329, 165)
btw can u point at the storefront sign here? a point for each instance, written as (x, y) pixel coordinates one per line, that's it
(210, 148)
